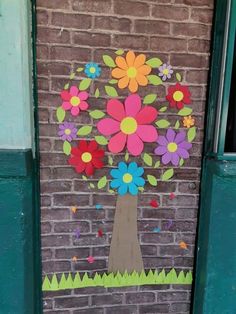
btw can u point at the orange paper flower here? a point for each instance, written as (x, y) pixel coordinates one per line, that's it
(131, 71)
(188, 121)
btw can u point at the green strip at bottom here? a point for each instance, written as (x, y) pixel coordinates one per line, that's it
(69, 281)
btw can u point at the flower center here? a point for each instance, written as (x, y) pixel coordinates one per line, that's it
(128, 125)
(92, 70)
(127, 178)
(172, 147)
(75, 101)
(165, 71)
(67, 131)
(86, 157)
(131, 72)
(178, 95)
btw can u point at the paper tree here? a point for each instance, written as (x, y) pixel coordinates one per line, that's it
(119, 133)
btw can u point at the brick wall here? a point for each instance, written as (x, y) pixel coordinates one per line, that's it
(72, 32)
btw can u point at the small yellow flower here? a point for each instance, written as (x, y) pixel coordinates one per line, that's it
(188, 121)
(73, 209)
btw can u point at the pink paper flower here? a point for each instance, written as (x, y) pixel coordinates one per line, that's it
(130, 124)
(74, 100)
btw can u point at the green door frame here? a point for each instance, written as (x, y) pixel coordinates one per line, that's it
(20, 261)
(215, 270)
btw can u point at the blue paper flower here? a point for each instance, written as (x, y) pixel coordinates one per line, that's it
(127, 178)
(92, 70)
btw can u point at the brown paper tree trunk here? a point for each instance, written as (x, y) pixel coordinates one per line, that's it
(125, 252)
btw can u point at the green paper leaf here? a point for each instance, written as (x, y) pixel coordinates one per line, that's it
(149, 99)
(66, 148)
(126, 156)
(110, 160)
(102, 182)
(167, 174)
(97, 114)
(157, 164)
(97, 93)
(79, 69)
(85, 83)
(92, 185)
(62, 282)
(141, 189)
(101, 140)
(163, 109)
(154, 80)
(111, 191)
(177, 124)
(191, 134)
(54, 283)
(147, 159)
(162, 124)
(84, 130)
(154, 62)
(111, 91)
(72, 76)
(181, 162)
(178, 77)
(108, 61)
(60, 114)
(186, 111)
(84, 178)
(152, 180)
(113, 81)
(119, 52)
(66, 86)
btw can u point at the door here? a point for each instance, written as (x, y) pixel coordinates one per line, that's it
(216, 254)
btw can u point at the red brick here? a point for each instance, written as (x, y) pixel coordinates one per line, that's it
(170, 12)
(96, 6)
(191, 30)
(91, 39)
(68, 20)
(151, 27)
(112, 23)
(50, 35)
(131, 8)
(166, 44)
(42, 17)
(189, 60)
(55, 4)
(201, 15)
(71, 302)
(70, 53)
(130, 42)
(42, 52)
(201, 3)
(199, 45)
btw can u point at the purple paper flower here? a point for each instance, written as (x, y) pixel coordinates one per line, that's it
(67, 131)
(165, 71)
(172, 147)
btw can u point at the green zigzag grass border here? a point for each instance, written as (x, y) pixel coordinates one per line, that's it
(63, 282)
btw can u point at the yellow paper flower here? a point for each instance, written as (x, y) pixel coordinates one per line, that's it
(188, 121)
(131, 71)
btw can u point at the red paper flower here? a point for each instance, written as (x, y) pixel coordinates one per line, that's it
(178, 96)
(86, 157)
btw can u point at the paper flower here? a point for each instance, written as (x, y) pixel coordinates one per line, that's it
(127, 178)
(74, 100)
(131, 71)
(178, 95)
(92, 70)
(67, 131)
(188, 121)
(172, 147)
(130, 124)
(165, 71)
(90, 259)
(86, 157)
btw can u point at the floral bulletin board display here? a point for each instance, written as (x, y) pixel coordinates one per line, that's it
(126, 125)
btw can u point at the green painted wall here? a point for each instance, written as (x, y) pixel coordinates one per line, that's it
(15, 78)
(20, 276)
